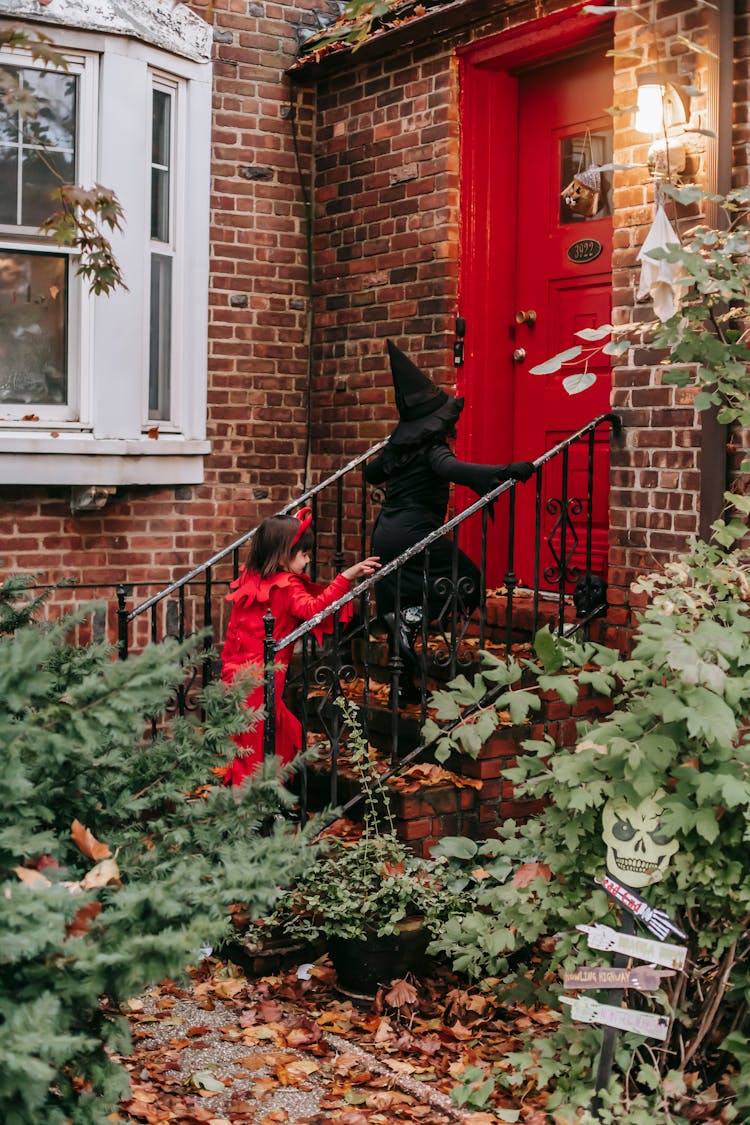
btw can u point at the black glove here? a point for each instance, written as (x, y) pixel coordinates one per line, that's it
(519, 470)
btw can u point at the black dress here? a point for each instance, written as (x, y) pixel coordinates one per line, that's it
(417, 488)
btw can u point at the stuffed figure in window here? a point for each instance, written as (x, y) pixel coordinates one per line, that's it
(581, 195)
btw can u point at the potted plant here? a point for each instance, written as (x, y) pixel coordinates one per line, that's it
(373, 902)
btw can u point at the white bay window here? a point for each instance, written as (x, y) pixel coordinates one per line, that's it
(162, 271)
(106, 389)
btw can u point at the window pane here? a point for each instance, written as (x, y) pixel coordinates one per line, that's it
(159, 205)
(43, 172)
(55, 121)
(8, 185)
(160, 351)
(160, 158)
(161, 128)
(43, 140)
(33, 314)
(584, 191)
(8, 122)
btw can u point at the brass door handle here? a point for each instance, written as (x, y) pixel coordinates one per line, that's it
(526, 317)
(519, 355)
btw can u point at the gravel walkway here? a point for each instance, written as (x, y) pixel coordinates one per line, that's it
(238, 1051)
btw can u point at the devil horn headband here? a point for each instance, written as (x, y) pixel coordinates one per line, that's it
(304, 516)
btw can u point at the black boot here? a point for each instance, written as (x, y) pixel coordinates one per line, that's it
(409, 624)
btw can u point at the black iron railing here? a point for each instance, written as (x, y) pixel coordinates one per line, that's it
(446, 636)
(562, 558)
(189, 604)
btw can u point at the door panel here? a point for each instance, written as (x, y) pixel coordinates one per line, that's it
(558, 263)
(562, 131)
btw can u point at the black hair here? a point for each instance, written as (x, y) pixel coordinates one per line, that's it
(272, 547)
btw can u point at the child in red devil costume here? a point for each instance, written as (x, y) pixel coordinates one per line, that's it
(273, 578)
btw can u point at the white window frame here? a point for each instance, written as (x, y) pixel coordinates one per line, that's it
(111, 440)
(172, 248)
(74, 413)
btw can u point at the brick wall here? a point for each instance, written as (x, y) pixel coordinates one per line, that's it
(656, 468)
(258, 367)
(387, 245)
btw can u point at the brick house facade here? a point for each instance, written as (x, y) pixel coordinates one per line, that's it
(365, 147)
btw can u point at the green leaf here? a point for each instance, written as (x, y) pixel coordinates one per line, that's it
(204, 1080)
(706, 824)
(431, 731)
(556, 362)
(469, 739)
(520, 703)
(575, 384)
(616, 347)
(637, 55)
(691, 193)
(693, 46)
(446, 707)
(548, 651)
(499, 941)
(709, 717)
(594, 333)
(734, 790)
(455, 847)
(649, 1076)
(565, 686)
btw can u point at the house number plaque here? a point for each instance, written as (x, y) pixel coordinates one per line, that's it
(584, 250)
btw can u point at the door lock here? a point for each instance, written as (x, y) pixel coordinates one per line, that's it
(526, 317)
(519, 355)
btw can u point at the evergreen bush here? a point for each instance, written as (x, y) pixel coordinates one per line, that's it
(118, 858)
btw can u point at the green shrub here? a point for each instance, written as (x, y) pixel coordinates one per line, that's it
(87, 923)
(680, 724)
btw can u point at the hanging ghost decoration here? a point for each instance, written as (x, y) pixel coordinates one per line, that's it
(638, 849)
(581, 195)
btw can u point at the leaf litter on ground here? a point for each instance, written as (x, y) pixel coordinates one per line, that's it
(281, 1050)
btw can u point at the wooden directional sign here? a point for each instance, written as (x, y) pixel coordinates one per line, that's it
(644, 949)
(655, 920)
(645, 978)
(624, 1019)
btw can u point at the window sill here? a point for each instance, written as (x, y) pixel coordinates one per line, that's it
(81, 459)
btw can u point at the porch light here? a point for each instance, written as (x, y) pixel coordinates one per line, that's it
(662, 103)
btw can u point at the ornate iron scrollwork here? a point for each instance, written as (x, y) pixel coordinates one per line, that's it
(453, 594)
(562, 570)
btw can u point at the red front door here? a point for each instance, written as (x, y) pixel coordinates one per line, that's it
(530, 302)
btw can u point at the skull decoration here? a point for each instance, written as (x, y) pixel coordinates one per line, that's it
(638, 851)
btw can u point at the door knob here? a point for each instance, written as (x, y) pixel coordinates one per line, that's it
(526, 317)
(519, 355)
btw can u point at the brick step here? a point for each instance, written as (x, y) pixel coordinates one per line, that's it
(469, 798)
(431, 811)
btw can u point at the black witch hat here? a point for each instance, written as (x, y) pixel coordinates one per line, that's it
(423, 408)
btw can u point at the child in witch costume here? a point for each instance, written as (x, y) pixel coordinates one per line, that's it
(273, 578)
(417, 467)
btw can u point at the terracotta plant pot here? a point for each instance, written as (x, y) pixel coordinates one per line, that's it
(362, 964)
